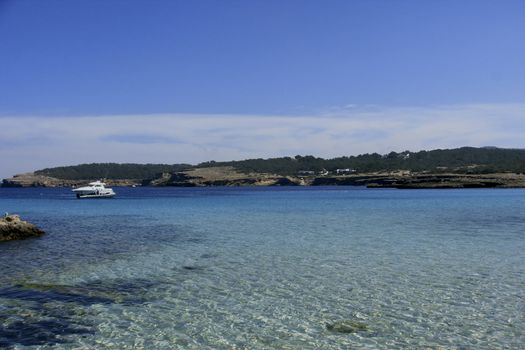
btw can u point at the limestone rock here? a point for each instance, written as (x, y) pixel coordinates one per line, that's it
(346, 326)
(12, 227)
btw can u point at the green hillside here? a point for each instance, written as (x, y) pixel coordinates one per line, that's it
(111, 171)
(465, 160)
(461, 160)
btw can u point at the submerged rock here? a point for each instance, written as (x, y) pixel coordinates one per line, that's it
(12, 227)
(128, 292)
(346, 326)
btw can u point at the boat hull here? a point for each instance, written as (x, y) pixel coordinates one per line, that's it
(93, 196)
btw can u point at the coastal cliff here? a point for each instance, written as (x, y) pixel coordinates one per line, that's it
(36, 180)
(219, 176)
(12, 228)
(420, 181)
(229, 176)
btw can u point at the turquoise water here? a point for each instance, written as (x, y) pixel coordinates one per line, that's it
(266, 268)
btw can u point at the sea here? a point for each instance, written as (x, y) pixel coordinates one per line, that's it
(265, 268)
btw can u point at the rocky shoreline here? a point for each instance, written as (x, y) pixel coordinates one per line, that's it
(13, 228)
(34, 180)
(229, 176)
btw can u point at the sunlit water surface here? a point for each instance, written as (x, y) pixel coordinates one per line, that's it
(266, 268)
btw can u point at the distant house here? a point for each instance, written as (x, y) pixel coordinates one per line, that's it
(345, 171)
(306, 172)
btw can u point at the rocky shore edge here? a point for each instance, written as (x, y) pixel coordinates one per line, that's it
(13, 228)
(229, 176)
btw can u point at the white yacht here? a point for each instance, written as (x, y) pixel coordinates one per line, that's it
(95, 189)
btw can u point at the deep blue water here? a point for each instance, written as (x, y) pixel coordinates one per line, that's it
(266, 268)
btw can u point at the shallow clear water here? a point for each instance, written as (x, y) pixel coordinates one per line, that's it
(266, 268)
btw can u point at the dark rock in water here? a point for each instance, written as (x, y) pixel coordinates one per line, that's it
(193, 268)
(30, 332)
(12, 227)
(98, 292)
(40, 293)
(346, 326)
(45, 315)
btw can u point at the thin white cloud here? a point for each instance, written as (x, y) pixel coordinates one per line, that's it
(29, 143)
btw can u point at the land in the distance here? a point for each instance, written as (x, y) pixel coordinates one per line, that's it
(465, 167)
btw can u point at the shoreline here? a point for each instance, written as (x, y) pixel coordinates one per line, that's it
(229, 177)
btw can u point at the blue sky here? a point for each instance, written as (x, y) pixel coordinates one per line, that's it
(216, 61)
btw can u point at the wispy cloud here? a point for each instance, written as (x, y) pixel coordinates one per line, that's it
(143, 139)
(29, 143)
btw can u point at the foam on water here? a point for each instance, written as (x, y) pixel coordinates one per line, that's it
(265, 269)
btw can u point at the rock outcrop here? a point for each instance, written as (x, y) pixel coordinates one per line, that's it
(12, 227)
(219, 176)
(346, 326)
(445, 181)
(35, 180)
(230, 176)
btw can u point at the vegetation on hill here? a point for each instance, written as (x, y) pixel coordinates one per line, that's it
(111, 171)
(466, 160)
